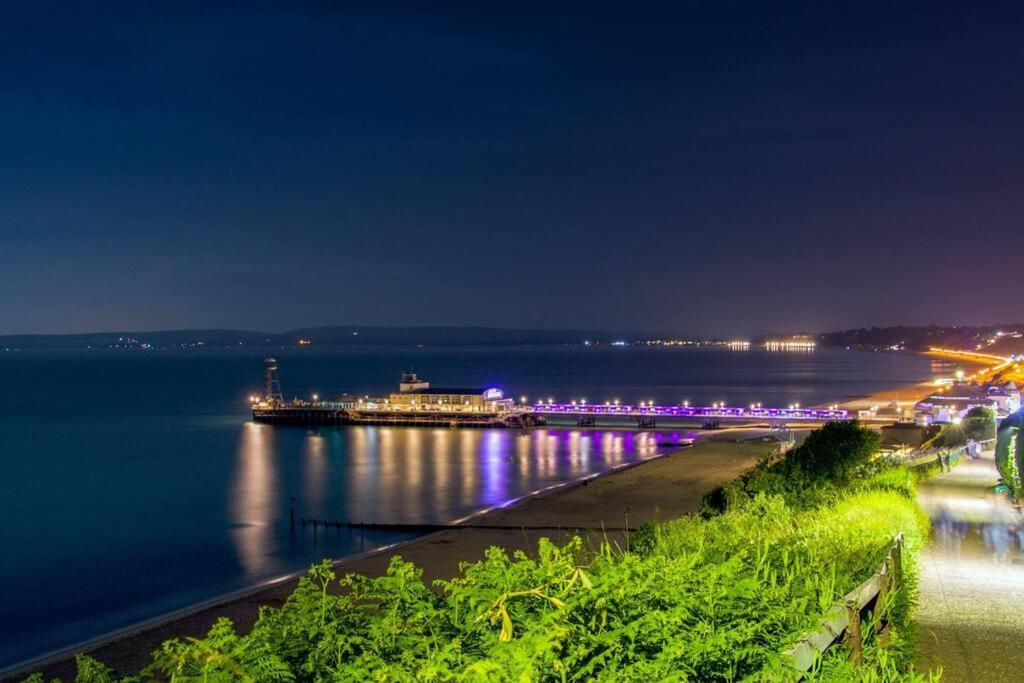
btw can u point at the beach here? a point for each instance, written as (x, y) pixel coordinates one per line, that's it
(908, 395)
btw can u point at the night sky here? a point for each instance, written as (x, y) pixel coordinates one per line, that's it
(712, 168)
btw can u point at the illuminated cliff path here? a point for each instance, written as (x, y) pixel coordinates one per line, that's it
(971, 608)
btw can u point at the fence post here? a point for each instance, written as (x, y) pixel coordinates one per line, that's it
(897, 563)
(854, 641)
(881, 620)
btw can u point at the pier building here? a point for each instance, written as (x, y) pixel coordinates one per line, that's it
(415, 403)
(416, 394)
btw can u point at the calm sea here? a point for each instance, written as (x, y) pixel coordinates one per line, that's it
(133, 483)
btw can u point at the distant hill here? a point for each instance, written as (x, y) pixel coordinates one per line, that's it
(320, 336)
(925, 337)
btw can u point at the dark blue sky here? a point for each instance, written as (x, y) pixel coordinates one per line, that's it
(714, 167)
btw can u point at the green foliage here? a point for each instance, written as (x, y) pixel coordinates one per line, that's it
(951, 436)
(834, 453)
(980, 423)
(692, 599)
(809, 475)
(92, 671)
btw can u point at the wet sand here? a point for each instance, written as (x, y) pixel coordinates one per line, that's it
(659, 489)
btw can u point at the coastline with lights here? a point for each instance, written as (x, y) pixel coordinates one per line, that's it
(701, 467)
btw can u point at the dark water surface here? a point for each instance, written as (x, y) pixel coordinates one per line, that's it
(134, 484)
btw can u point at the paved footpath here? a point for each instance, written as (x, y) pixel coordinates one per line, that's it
(971, 606)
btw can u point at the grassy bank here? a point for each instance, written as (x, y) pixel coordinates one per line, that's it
(715, 597)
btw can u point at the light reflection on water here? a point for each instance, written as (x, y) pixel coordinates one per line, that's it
(397, 475)
(252, 499)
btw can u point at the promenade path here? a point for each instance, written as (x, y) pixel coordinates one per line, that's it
(971, 606)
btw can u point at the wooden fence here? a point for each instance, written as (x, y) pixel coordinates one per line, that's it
(844, 619)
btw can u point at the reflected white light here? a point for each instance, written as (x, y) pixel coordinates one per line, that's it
(254, 498)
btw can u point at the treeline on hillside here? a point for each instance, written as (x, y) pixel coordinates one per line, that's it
(917, 338)
(712, 597)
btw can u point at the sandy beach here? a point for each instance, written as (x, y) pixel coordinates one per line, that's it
(662, 488)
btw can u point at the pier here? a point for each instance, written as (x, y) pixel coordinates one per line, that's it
(416, 403)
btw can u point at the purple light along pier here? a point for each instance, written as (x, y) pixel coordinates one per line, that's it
(690, 412)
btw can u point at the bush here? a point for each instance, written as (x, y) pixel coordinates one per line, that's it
(833, 453)
(980, 423)
(808, 475)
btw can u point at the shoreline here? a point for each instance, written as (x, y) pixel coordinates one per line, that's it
(600, 495)
(910, 394)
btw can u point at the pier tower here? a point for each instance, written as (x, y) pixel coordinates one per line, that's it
(410, 382)
(271, 386)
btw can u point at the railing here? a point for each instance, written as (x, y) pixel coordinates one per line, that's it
(945, 458)
(685, 411)
(844, 619)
